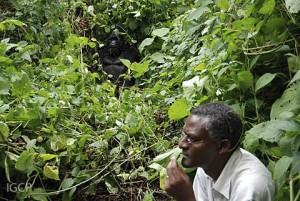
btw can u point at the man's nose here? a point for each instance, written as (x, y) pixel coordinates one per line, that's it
(183, 144)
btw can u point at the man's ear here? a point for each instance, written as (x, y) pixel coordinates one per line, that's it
(224, 146)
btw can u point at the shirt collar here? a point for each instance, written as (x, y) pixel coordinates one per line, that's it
(222, 184)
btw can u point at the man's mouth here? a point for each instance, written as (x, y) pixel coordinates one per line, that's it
(185, 155)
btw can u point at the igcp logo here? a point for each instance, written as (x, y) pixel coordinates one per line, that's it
(21, 187)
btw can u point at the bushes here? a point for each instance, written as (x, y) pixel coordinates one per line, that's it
(65, 133)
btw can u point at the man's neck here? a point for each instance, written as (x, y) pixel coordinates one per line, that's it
(217, 167)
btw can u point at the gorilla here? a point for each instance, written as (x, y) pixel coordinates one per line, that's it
(110, 55)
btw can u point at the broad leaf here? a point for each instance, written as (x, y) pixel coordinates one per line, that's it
(269, 131)
(162, 178)
(197, 13)
(282, 166)
(160, 32)
(178, 109)
(26, 56)
(51, 171)
(39, 194)
(4, 131)
(296, 77)
(126, 62)
(264, 80)
(139, 69)
(2, 26)
(145, 42)
(224, 5)
(22, 87)
(66, 183)
(47, 157)
(12, 156)
(158, 57)
(167, 156)
(5, 60)
(245, 79)
(294, 63)
(15, 22)
(268, 7)
(288, 102)
(25, 162)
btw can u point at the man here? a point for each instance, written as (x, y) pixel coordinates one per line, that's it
(225, 172)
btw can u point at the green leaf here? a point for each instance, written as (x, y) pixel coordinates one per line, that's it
(145, 42)
(203, 3)
(22, 87)
(254, 61)
(158, 57)
(288, 102)
(92, 44)
(51, 171)
(251, 141)
(111, 185)
(73, 39)
(293, 5)
(162, 178)
(12, 156)
(26, 56)
(269, 131)
(15, 22)
(268, 7)
(140, 69)
(196, 14)
(2, 27)
(25, 162)
(245, 79)
(4, 86)
(5, 60)
(296, 165)
(132, 119)
(294, 63)
(109, 133)
(82, 141)
(4, 131)
(281, 167)
(148, 196)
(39, 194)
(263, 81)
(126, 62)
(224, 5)
(160, 159)
(199, 67)
(296, 77)
(178, 110)
(160, 32)
(66, 183)
(47, 157)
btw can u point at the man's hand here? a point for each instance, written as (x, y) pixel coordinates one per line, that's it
(178, 184)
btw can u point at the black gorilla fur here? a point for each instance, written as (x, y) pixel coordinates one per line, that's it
(110, 55)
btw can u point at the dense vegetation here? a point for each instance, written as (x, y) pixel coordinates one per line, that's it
(64, 132)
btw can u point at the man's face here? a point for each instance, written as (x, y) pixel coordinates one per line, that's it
(198, 148)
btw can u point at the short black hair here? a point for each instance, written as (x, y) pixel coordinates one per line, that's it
(223, 122)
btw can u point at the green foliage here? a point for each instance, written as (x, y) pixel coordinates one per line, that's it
(237, 53)
(65, 133)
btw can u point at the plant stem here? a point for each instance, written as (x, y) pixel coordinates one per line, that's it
(291, 188)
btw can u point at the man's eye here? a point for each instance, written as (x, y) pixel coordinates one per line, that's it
(190, 139)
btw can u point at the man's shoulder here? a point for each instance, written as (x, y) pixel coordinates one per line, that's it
(249, 168)
(249, 161)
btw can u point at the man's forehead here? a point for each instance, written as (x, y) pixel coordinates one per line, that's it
(195, 121)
